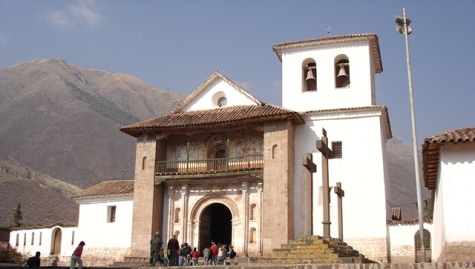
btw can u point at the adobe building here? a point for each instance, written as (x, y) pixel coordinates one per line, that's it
(225, 167)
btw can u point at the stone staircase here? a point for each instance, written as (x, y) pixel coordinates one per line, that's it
(312, 249)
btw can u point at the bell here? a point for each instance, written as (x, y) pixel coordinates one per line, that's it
(310, 75)
(342, 72)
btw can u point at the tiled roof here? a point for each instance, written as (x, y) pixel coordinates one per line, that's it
(430, 152)
(372, 38)
(107, 188)
(383, 109)
(223, 117)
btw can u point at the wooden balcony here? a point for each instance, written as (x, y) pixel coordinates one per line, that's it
(208, 166)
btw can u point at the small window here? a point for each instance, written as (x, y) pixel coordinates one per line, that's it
(337, 150)
(32, 238)
(111, 210)
(17, 241)
(24, 239)
(41, 236)
(72, 239)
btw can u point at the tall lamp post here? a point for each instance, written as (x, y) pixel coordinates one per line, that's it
(402, 26)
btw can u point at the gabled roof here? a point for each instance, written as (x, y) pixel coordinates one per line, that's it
(430, 152)
(107, 189)
(328, 40)
(224, 117)
(215, 76)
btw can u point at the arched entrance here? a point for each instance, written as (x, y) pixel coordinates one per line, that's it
(215, 225)
(56, 247)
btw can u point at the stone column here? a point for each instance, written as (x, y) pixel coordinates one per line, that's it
(245, 217)
(144, 195)
(259, 228)
(171, 210)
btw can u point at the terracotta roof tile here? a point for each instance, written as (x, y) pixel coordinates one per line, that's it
(430, 152)
(227, 116)
(372, 38)
(107, 188)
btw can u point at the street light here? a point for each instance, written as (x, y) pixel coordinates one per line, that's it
(402, 27)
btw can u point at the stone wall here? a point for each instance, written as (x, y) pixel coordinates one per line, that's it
(458, 251)
(374, 248)
(103, 256)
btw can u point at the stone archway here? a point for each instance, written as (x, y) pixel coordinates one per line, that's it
(56, 246)
(215, 225)
(215, 215)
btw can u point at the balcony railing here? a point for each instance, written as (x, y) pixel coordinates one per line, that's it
(219, 165)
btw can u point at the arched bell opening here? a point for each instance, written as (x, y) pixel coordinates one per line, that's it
(342, 71)
(309, 75)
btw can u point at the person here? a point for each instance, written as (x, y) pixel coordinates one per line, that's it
(222, 255)
(187, 254)
(34, 261)
(206, 255)
(181, 255)
(194, 257)
(232, 255)
(155, 246)
(76, 257)
(214, 253)
(173, 246)
(166, 254)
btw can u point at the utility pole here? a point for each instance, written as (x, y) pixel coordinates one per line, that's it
(403, 28)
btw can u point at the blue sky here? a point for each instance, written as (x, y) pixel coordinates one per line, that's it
(176, 45)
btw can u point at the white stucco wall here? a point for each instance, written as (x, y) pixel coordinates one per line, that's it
(402, 241)
(362, 173)
(453, 217)
(358, 93)
(208, 98)
(94, 227)
(44, 240)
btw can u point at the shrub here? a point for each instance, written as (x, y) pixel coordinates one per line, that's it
(10, 255)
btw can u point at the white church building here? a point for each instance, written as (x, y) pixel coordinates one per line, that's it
(225, 167)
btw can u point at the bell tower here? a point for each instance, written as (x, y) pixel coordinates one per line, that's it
(330, 72)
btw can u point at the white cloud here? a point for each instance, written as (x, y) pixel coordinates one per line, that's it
(79, 12)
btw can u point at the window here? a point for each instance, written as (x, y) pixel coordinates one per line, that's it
(17, 241)
(41, 236)
(32, 238)
(111, 210)
(337, 150)
(251, 211)
(72, 239)
(143, 162)
(24, 239)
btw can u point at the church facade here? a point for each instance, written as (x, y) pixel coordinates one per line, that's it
(225, 167)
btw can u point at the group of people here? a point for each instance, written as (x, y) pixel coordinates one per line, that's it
(174, 254)
(217, 254)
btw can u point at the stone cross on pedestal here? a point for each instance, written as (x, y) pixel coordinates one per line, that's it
(311, 168)
(340, 193)
(322, 146)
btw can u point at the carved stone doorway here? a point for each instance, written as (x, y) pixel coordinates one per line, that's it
(215, 225)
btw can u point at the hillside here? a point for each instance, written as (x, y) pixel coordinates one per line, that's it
(63, 120)
(37, 193)
(60, 127)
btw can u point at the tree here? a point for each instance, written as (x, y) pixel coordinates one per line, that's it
(17, 216)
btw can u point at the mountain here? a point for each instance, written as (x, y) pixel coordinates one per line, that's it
(402, 178)
(60, 129)
(63, 120)
(37, 193)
